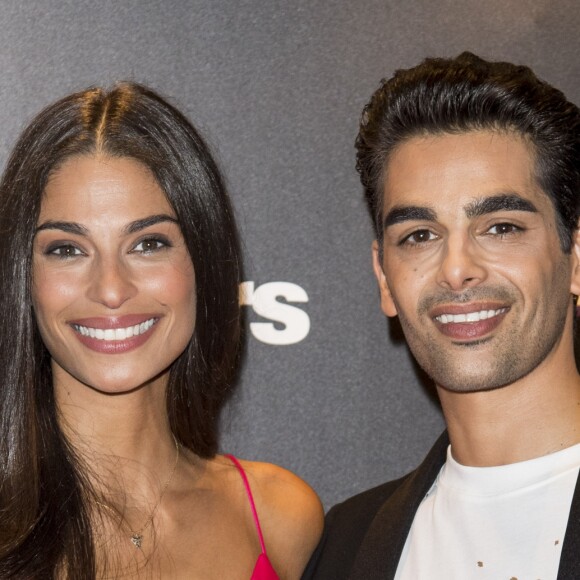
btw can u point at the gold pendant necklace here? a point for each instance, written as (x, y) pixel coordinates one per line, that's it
(137, 536)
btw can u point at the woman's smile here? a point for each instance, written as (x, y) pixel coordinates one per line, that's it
(115, 335)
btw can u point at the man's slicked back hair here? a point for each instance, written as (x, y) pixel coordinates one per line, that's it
(466, 94)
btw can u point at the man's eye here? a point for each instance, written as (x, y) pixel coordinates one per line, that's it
(418, 237)
(503, 229)
(150, 245)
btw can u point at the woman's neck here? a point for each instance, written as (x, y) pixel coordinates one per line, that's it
(124, 439)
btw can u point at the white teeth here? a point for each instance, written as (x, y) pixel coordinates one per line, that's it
(115, 333)
(120, 334)
(469, 317)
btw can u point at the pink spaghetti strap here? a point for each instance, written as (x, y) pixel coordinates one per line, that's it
(250, 497)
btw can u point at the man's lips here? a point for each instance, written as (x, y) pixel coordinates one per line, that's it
(468, 321)
(476, 316)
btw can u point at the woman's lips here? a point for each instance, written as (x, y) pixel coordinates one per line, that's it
(113, 321)
(470, 324)
(114, 335)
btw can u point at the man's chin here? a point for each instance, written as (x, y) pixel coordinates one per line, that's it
(472, 386)
(478, 375)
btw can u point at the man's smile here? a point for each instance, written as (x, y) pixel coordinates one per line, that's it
(475, 316)
(467, 322)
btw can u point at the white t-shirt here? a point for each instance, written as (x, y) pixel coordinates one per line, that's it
(493, 523)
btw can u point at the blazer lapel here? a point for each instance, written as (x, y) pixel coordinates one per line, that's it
(570, 559)
(379, 554)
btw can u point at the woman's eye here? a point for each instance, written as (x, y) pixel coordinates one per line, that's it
(150, 245)
(64, 251)
(418, 237)
(503, 229)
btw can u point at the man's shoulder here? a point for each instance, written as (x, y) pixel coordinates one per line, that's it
(346, 525)
(360, 509)
(389, 508)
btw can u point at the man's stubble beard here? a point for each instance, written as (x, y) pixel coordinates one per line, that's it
(510, 354)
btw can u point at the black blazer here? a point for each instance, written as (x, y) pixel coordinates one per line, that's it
(365, 535)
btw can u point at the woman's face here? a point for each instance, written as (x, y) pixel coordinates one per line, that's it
(113, 282)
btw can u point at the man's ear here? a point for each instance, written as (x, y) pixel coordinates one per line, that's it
(387, 302)
(575, 283)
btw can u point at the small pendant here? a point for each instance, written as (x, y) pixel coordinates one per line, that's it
(137, 539)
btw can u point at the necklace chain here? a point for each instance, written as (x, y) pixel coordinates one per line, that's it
(137, 536)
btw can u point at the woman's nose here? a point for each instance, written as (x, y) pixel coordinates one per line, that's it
(111, 283)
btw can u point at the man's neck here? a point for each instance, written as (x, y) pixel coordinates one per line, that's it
(537, 415)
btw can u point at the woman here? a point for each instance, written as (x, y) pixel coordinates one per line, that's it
(119, 272)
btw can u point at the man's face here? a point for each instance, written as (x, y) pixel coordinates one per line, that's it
(471, 260)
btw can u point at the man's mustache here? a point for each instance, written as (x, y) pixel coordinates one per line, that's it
(498, 294)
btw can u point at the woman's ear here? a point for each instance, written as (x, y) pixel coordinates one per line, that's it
(575, 282)
(387, 302)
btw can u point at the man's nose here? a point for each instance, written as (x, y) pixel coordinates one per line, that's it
(461, 264)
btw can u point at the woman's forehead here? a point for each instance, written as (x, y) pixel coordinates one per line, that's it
(91, 186)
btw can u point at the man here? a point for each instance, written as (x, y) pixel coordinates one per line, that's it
(471, 170)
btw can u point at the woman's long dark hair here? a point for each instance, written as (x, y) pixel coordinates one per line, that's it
(45, 528)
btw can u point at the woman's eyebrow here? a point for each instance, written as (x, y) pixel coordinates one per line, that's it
(151, 220)
(68, 227)
(131, 228)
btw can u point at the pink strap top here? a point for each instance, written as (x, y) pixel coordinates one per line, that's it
(263, 570)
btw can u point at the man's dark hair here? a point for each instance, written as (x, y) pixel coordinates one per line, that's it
(465, 94)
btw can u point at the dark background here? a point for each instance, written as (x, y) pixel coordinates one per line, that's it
(277, 88)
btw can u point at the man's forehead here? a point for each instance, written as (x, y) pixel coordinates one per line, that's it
(460, 170)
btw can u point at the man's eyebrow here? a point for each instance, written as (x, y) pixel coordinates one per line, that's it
(131, 228)
(405, 213)
(504, 202)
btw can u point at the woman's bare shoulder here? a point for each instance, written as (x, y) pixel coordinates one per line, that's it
(291, 515)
